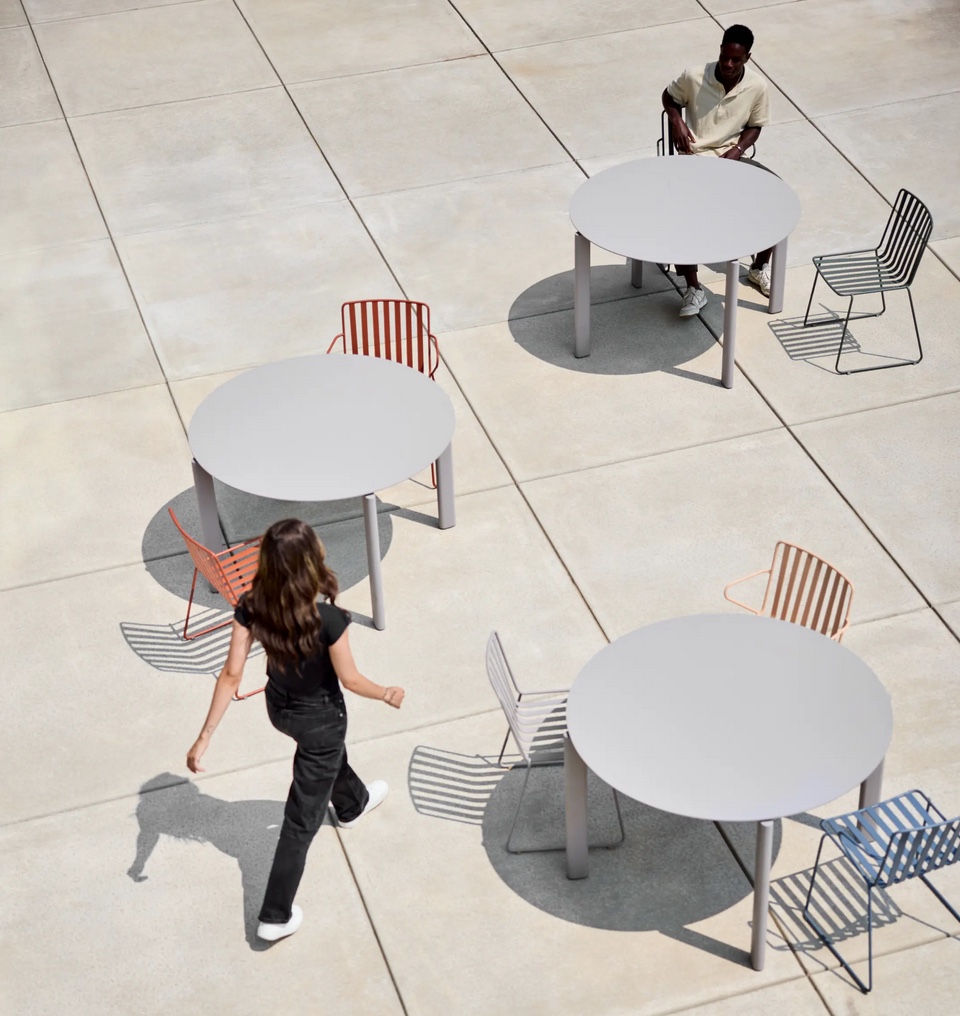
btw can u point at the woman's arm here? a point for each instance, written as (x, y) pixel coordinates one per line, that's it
(241, 639)
(341, 657)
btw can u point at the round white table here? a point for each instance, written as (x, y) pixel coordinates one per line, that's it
(684, 210)
(323, 428)
(729, 718)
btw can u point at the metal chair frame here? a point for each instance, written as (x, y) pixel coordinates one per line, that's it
(538, 723)
(898, 839)
(230, 572)
(397, 330)
(803, 589)
(889, 266)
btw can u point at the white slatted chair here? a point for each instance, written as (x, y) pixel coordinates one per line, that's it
(538, 723)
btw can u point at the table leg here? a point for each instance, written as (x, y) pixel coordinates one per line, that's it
(446, 511)
(730, 324)
(207, 503)
(372, 531)
(761, 893)
(575, 779)
(581, 295)
(872, 788)
(636, 273)
(778, 277)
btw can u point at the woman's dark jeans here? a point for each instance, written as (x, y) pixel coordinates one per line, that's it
(321, 775)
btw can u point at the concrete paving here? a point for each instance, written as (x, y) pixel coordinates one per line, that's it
(192, 187)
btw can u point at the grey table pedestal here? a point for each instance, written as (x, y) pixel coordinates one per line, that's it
(683, 210)
(324, 428)
(728, 718)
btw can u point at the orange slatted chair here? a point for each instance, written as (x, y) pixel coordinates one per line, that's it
(804, 589)
(230, 572)
(397, 330)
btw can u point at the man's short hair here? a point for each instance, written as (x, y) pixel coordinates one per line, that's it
(738, 35)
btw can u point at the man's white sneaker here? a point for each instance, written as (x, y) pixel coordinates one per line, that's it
(377, 791)
(693, 301)
(274, 932)
(760, 277)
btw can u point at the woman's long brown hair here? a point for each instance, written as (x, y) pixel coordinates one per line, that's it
(282, 602)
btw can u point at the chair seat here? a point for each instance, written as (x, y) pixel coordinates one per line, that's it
(865, 835)
(857, 274)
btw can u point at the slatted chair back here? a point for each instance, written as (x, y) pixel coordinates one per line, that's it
(807, 590)
(508, 694)
(904, 240)
(397, 330)
(230, 572)
(915, 852)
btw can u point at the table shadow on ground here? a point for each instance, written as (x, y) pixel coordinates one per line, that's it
(669, 873)
(171, 807)
(638, 335)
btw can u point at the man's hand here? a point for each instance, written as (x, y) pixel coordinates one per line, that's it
(683, 139)
(732, 153)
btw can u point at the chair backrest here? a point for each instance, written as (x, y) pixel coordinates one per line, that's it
(915, 852)
(904, 239)
(396, 330)
(806, 590)
(665, 141)
(231, 571)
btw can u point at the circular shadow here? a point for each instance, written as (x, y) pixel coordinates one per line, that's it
(339, 524)
(632, 331)
(670, 872)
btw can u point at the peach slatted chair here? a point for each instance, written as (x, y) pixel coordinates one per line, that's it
(804, 589)
(230, 572)
(397, 330)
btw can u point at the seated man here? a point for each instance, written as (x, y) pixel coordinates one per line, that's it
(726, 104)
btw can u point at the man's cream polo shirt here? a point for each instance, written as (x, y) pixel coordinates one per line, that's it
(717, 119)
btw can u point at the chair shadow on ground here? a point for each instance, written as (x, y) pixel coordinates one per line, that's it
(247, 831)
(819, 340)
(670, 872)
(633, 331)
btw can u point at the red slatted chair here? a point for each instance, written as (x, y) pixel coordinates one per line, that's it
(397, 330)
(230, 572)
(804, 589)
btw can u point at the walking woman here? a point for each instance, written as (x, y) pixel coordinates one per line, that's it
(291, 610)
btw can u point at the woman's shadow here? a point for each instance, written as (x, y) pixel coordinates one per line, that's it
(245, 830)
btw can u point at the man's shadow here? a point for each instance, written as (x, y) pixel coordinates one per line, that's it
(245, 830)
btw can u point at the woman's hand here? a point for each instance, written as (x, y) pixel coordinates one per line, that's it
(393, 696)
(196, 753)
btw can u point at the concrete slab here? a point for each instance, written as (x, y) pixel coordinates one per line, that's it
(950, 612)
(672, 939)
(46, 199)
(798, 998)
(789, 33)
(548, 412)
(59, 10)
(660, 537)
(156, 54)
(601, 94)
(96, 471)
(223, 295)
(27, 94)
(949, 252)
(504, 25)
(883, 143)
(158, 891)
(203, 159)
(860, 452)
(470, 248)
(72, 327)
(11, 14)
(307, 41)
(423, 125)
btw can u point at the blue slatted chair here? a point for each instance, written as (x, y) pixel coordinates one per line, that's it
(889, 266)
(898, 839)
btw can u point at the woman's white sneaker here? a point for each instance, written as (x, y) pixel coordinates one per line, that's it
(377, 791)
(274, 932)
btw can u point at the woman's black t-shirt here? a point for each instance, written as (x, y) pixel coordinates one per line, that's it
(316, 676)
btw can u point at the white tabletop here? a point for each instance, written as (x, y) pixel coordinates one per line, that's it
(684, 209)
(321, 428)
(729, 717)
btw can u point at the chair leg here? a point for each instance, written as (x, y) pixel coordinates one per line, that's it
(936, 892)
(822, 935)
(883, 366)
(197, 634)
(816, 275)
(503, 748)
(433, 475)
(843, 335)
(516, 815)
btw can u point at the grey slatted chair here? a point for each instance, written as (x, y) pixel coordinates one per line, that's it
(538, 723)
(889, 266)
(901, 838)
